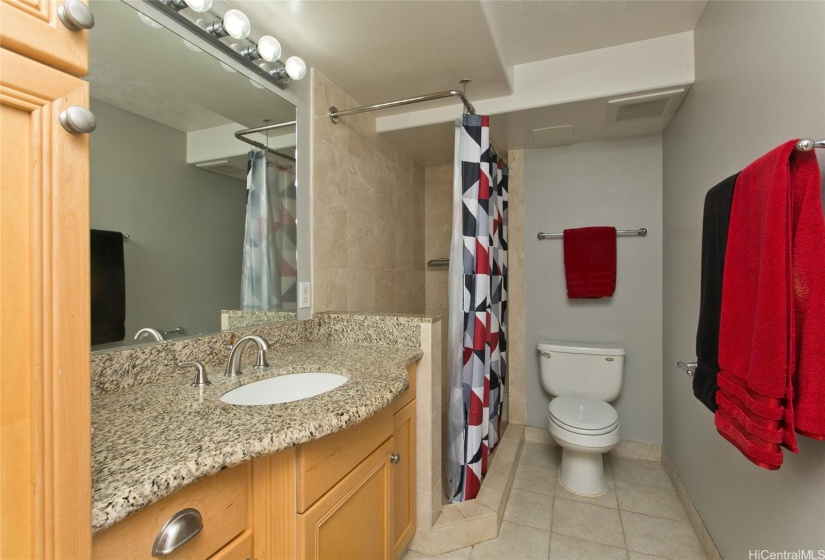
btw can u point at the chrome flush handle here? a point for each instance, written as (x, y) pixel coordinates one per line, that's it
(688, 367)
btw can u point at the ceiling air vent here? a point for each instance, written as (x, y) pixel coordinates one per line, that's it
(645, 106)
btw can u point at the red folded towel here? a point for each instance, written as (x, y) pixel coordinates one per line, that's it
(590, 262)
(771, 347)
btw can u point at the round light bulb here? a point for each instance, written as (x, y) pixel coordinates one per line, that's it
(149, 21)
(236, 24)
(199, 6)
(269, 48)
(295, 67)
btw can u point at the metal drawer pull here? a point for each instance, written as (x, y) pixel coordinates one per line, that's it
(395, 458)
(176, 532)
(78, 120)
(76, 15)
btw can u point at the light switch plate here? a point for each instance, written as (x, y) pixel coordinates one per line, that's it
(305, 294)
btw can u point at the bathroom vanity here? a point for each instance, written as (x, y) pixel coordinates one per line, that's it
(329, 476)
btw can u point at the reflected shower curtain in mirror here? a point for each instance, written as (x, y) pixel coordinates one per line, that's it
(269, 268)
(476, 339)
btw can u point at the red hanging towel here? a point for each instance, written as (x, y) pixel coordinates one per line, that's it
(590, 262)
(775, 234)
(809, 297)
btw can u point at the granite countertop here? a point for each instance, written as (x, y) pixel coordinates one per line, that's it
(152, 440)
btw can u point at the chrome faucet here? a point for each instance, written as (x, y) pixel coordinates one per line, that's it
(233, 368)
(148, 331)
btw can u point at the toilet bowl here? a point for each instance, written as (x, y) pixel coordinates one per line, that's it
(583, 378)
(585, 430)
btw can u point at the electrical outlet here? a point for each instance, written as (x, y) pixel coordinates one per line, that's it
(305, 294)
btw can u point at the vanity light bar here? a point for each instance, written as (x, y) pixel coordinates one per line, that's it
(215, 30)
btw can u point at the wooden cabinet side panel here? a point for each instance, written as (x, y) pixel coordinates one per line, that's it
(33, 30)
(273, 504)
(45, 410)
(351, 521)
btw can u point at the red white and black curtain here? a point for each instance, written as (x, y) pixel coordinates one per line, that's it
(482, 369)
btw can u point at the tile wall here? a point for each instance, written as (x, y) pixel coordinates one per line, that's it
(367, 213)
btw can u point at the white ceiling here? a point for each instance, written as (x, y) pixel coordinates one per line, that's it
(391, 49)
(537, 30)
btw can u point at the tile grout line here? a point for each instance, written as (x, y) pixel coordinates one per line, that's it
(619, 511)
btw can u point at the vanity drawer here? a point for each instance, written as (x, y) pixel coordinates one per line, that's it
(320, 464)
(221, 500)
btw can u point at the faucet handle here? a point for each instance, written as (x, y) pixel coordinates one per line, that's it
(200, 378)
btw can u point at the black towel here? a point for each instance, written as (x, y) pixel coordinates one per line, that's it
(108, 283)
(714, 241)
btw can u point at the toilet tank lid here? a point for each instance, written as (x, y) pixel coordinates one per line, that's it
(581, 348)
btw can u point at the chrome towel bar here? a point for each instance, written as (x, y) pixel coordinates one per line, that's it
(641, 232)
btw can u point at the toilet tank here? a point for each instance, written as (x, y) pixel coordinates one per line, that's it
(584, 370)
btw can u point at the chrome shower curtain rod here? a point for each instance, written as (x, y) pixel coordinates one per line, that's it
(335, 115)
(241, 133)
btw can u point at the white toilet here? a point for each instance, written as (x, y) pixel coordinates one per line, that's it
(583, 378)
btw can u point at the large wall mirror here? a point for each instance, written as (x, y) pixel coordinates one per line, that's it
(169, 184)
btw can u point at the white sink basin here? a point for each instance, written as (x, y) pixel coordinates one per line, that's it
(285, 388)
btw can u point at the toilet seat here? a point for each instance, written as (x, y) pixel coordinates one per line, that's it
(583, 416)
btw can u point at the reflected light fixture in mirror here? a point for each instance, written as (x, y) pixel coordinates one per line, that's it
(236, 25)
(199, 6)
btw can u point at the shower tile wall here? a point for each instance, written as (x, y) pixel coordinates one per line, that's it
(368, 213)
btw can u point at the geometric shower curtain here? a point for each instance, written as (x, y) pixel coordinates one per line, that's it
(479, 355)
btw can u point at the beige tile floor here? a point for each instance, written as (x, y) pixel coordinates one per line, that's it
(639, 518)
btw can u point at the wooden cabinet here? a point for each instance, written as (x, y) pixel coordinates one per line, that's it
(45, 411)
(32, 29)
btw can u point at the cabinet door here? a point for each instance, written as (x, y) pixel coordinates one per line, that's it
(45, 412)
(32, 28)
(352, 520)
(403, 479)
